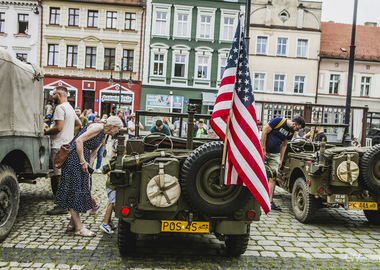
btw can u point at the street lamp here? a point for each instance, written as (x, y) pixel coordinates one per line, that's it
(351, 72)
(129, 83)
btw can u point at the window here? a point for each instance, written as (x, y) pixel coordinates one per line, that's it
(182, 25)
(73, 16)
(365, 86)
(334, 83)
(22, 56)
(54, 15)
(299, 84)
(2, 22)
(109, 59)
(258, 82)
(111, 19)
(90, 57)
(228, 28)
(281, 46)
(205, 23)
(130, 21)
(23, 22)
(72, 55)
(127, 59)
(261, 46)
(222, 66)
(92, 20)
(161, 23)
(205, 27)
(302, 48)
(279, 83)
(179, 65)
(203, 67)
(158, 64)
(53, 55)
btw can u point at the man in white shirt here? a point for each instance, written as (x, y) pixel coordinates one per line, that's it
(62, 132)
(132, 126)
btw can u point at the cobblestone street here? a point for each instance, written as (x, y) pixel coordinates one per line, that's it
(339, 239)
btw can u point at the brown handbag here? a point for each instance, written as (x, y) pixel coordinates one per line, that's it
(61, 156)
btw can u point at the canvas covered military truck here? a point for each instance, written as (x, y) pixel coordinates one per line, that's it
(24, 150)
(166, 184)
(327, 174)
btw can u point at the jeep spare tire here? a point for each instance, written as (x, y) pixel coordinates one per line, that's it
(370, 168)
(9, 200)
(200, 182)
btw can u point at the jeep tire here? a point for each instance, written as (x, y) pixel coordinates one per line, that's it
(237, 244)
(370, 168)
(9, 200)
(200, 183)
(373, 216)
(304, 204)
(126, 239)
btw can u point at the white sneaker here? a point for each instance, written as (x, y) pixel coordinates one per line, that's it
(98, 171)
(105, 228)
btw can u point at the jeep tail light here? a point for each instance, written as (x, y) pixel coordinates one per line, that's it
(321, 189)
(251, 214)
(125, 211)
(308, 183)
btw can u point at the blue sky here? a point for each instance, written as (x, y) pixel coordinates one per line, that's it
(341, 11)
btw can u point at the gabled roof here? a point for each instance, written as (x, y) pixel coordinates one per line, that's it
(337, 35)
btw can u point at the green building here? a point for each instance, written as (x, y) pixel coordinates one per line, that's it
(186, 47)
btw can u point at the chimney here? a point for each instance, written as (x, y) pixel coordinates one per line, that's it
(374, 24)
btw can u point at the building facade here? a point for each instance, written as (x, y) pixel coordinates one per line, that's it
(334, 62)
(186, 46)
(283, 55)
(20, 29)
(85, 43)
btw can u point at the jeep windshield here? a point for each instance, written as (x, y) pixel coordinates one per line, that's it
(335, 133)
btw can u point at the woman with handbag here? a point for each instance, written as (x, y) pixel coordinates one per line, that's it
(74, 191)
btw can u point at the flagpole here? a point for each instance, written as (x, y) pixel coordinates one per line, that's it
(223, 167)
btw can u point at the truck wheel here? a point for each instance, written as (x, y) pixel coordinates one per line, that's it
(304, 204)
(9, 200)
(370, 168)
(373, 216)
(200, 182)
(236, 244)
(126, 239)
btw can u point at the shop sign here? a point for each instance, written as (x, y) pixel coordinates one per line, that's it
(115, 99)
(164, 101)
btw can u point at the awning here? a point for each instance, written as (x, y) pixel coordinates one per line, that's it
(208, 98)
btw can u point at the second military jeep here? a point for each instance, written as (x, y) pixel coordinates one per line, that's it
(170, 184)
(326, 174)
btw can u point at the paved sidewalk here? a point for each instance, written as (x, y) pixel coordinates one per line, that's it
(339, 239)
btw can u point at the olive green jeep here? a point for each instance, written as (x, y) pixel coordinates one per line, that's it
(167, 184)
(326, 174)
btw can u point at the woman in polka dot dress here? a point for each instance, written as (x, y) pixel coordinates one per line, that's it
(74, 188)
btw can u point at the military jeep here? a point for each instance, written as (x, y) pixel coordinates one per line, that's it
(166, 184)
(327, 174)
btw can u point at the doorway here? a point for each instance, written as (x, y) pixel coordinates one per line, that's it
(88, 100)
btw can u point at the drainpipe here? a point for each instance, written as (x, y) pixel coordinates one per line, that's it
(42, 18)
(316, 90)
(141, 36)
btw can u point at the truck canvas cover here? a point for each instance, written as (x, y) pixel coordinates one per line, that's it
(21, 101)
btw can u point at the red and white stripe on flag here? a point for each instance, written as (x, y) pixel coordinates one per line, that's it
(244, 160)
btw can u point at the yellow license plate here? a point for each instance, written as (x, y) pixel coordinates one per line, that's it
(361, 205)
(183, 226)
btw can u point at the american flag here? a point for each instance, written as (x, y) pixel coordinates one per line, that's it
(244, 160)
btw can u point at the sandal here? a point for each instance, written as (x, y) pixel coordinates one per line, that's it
(70, 228)
(84, 232)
